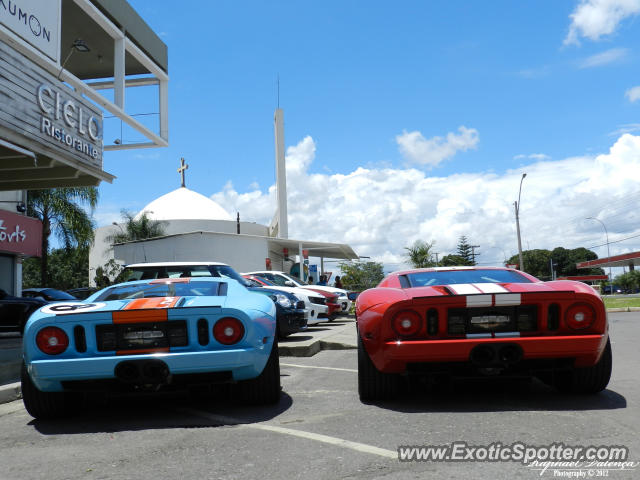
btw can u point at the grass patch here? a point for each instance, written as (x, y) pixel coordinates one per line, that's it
(621, 302)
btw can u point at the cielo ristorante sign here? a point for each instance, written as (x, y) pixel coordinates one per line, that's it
(68, 122)
(41, 114)
(20, 234)
(35, 21)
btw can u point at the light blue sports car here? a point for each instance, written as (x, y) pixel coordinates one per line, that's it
(151, 335)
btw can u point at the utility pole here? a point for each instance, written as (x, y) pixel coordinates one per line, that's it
(608, 251)
(473, 253)
(517, 205)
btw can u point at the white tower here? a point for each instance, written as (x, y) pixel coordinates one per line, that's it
(281, 177)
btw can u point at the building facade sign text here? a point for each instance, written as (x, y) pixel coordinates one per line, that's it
(35, 21)
(20, 234)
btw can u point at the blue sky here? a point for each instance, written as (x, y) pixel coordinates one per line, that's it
(404, 120)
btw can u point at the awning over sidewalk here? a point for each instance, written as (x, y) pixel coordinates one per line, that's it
(340, 251)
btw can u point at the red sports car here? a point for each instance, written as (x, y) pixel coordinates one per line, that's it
(480, 321)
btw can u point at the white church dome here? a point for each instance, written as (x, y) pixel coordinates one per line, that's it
(184, 204)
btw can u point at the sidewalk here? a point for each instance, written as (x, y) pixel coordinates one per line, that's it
(337, 335)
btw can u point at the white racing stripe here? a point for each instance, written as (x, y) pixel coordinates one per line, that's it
(463, 289)
(508, 299)
(339, 442)
(490, 288)
(479, 300)
(321, 368)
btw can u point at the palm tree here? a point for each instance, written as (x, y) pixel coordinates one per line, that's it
(137, 229)
(419, 255)
(61, 212)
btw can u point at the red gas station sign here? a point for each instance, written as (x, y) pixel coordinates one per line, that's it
(20, 234)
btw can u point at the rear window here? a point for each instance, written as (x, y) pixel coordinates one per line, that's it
(453, 277)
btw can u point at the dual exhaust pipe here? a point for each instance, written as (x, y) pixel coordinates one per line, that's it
(496, 355)
(142, 372)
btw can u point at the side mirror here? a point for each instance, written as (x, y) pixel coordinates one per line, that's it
(289, 283)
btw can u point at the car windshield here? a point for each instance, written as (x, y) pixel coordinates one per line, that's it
(183, 271)
(169, 289)
(452, 277)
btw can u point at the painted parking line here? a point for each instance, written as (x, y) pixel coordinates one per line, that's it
(317, 437)
(321, 368)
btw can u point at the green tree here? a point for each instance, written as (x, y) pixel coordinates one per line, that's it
(629, 281)
(109, 274)
(465, 251)
(420, 254)
(68, 269)
(453, 261)
(137, 229)
(62, 214)
(359, 276)
(538, 262)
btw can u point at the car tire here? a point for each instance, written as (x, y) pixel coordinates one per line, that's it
(265, 388)
(589, 379)
(42, 405)
(372, 383)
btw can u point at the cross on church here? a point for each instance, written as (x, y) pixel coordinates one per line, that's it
(183, 167)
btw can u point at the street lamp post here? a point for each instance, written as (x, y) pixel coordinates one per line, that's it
(517, 206)
(608, 251)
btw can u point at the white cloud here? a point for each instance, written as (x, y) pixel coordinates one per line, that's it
(593, 19)
(628, 128)
(533, 156)
(417, 149)
(379, 211)
(633, 94)
(604, 58)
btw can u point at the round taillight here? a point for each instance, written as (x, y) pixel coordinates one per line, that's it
(407, 323)
(580, 316)
(228, 331)
(52, 340)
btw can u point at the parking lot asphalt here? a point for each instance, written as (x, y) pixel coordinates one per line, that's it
(321, 430)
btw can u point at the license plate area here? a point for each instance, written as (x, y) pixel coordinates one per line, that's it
(521, 318)
(136, 336)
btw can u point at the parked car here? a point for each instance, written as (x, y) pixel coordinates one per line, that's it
(315, 305)
(151, 335)
(284, 280)
(15, 311)
(153, 270)
(332, 301)
(290, 312)
(480, 321)
(82, 292)
(47, 294)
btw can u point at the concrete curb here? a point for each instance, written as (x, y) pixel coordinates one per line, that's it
(10, 392)
(312, 349)
(625, 309)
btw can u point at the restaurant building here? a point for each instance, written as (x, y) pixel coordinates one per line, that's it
(65, 66)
